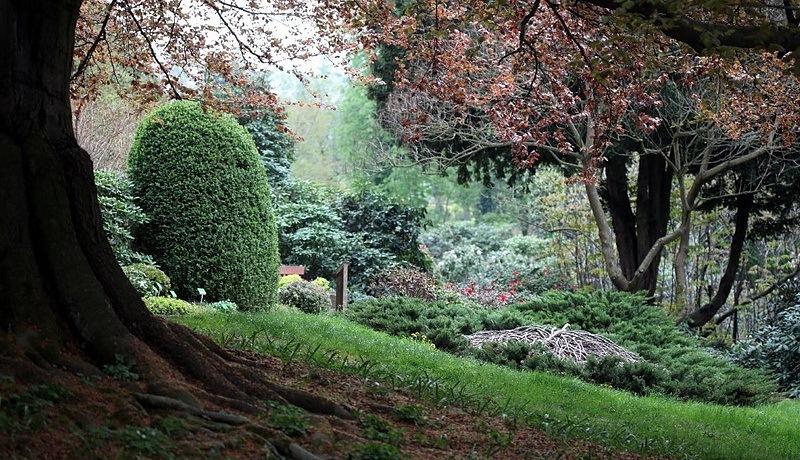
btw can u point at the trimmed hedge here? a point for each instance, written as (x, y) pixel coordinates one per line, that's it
(200, 180)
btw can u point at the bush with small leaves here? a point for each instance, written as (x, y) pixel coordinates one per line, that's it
(199, 178)
(148, 279)
(404, 282)
(169, 306)
(288, 279)
(674, 364)
(776, 348)
(225, 306)
(444, 238)
(121, 215)
(322, 282)
(305, 296)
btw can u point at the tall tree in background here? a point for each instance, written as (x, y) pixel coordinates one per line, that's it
(568, 83)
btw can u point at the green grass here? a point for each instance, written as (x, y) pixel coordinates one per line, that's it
(564, 406)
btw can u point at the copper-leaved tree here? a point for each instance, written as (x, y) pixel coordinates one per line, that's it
(582, 84)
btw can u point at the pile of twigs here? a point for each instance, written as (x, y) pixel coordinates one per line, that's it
(565, 344)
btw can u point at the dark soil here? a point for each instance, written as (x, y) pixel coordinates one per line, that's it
(74, 417)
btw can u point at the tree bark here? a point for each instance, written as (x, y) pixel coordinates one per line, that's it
(704, 314)
(64, 300)
(654, 184)
(623, 220)
(637, 232)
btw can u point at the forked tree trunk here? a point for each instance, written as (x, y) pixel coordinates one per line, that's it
(63, 297)
(637, 232)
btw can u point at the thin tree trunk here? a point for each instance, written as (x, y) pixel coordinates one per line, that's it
(704, 314)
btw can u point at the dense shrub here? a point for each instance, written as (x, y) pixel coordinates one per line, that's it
(200, 180)
(288, 279)
(674, 362)
(321, 282)
(386, 224)
(404, 282)
(305, 296)
(647, 330)
(310, 233)
(320, 230)
(275, 145)
(148, 279)
(514, 271)
(121, 215)
(776, 348)
(442, 322)
(460, 263)
(169, 306)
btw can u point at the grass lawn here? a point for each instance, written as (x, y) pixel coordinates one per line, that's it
(563, 406)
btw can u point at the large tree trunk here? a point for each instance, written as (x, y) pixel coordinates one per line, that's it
(63, 297)
(636, 233)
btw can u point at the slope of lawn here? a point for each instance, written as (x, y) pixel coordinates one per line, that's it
(561, 405)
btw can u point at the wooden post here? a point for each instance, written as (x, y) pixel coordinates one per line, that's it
(341, 286)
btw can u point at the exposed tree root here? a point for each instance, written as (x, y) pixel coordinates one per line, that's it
(163, 402)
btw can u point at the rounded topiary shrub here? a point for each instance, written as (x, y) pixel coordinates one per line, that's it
(199, 179)
(306, 296)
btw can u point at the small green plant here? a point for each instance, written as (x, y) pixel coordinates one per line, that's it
(122, 369)
(375, 451)
(322, 282)
(375, 428)
(134, 441)
(225, 306)
(290, 420)
(169, 306)
(305, 296)
(23, 411)
(147, 279)
(411, 413)
(172, 426)
(497, 440)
